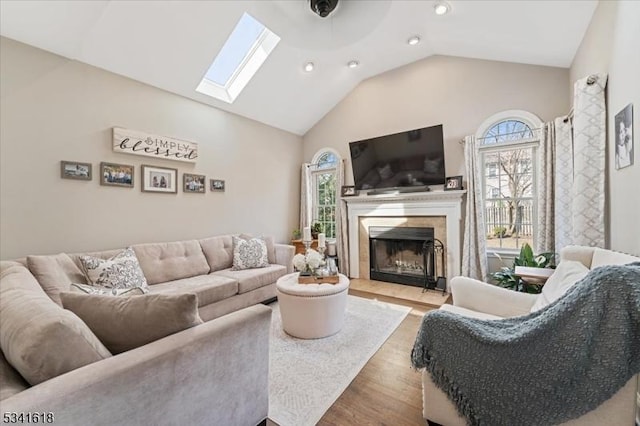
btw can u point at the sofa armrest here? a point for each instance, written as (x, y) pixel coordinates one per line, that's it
(284, 256)
(214, 373)
(488, 298)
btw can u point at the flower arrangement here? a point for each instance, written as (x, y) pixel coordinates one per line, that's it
(307, 263)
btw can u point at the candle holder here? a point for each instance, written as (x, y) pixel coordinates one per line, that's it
(321, 250)
(307, 246)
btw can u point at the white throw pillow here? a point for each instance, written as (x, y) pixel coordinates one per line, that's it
(120, 271)
(567, 274)
(248, 254)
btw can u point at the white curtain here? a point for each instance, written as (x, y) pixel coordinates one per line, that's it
(545, 238)
(589, 135)
(342, 231)
(563, 198)
(474, 248)
(306, 202)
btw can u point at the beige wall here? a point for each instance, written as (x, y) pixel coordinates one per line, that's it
(611, 45)
(459, 93)
(53, 109)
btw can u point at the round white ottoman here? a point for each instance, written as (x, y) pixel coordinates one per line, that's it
(311, 311)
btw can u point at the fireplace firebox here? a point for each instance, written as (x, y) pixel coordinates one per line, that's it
(405, 255)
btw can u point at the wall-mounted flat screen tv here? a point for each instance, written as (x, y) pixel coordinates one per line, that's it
(407, 159)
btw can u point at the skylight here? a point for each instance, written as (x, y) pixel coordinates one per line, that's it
(242, 55)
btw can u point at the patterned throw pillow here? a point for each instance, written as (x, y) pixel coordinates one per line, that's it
(91, 289)
(121, 271)
(249, 254)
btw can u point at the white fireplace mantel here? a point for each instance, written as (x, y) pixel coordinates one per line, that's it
(435, 203)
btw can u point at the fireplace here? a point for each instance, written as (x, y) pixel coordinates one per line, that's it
(403, 255)
(441, 210)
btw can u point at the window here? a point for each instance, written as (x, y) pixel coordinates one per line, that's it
(508, 148)
(244, 52)
(492, 169)
(323, 177)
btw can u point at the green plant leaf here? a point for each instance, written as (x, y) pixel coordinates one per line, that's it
(526, 253)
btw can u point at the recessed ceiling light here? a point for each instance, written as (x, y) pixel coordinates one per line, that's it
(414, 40)
(308, 67)
(441, 7)
(353, 64)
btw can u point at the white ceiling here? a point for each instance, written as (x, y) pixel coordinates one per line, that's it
(170, 44)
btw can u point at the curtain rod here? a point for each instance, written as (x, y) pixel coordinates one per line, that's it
(590, 82)
(461, 141)
(569, 116)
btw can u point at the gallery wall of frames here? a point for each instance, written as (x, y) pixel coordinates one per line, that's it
(163, 180)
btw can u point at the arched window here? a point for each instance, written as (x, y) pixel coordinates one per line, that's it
(323, 178)
(508, 144)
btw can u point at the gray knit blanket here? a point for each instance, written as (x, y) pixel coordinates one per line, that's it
(544, 368)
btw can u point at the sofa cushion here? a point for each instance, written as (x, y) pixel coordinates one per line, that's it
(566, 274)
(162, 262)
(468, 312)
(251, 279)
(121, 271)
(209, 288)
(6, 264)
(39, 338)
(124, 323)
(92, 289)
(55, 273)
(248, 254)
(11, 382)
(218, 251)
(581, 254)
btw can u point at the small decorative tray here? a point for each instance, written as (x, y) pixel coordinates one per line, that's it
(310, 279)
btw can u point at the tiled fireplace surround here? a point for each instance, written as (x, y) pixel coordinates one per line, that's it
(441, 210)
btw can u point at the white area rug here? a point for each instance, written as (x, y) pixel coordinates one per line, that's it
(307, 376)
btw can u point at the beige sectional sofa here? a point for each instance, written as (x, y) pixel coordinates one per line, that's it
(213, 373)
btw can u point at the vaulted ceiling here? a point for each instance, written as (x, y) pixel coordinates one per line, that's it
(170, 44)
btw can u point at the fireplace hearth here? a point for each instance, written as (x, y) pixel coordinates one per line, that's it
(403, 255)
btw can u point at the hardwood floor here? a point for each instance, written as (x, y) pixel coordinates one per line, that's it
(399, 294)
(387, 391)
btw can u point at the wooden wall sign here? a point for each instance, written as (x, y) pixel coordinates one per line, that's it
(140, 143)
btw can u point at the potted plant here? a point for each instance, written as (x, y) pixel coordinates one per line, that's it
(507, 277)
(316, 229)
(296, 234)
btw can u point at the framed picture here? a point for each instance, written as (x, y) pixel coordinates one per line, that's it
(195, 184)
(217, 185)
(348, 191)
(624, 137)
(159, 179)
(75, 170)
(112, 174)
(453, 183)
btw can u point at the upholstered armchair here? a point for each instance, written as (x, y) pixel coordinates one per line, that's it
(486, 301)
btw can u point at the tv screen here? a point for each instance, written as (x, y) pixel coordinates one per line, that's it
(407, 159)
